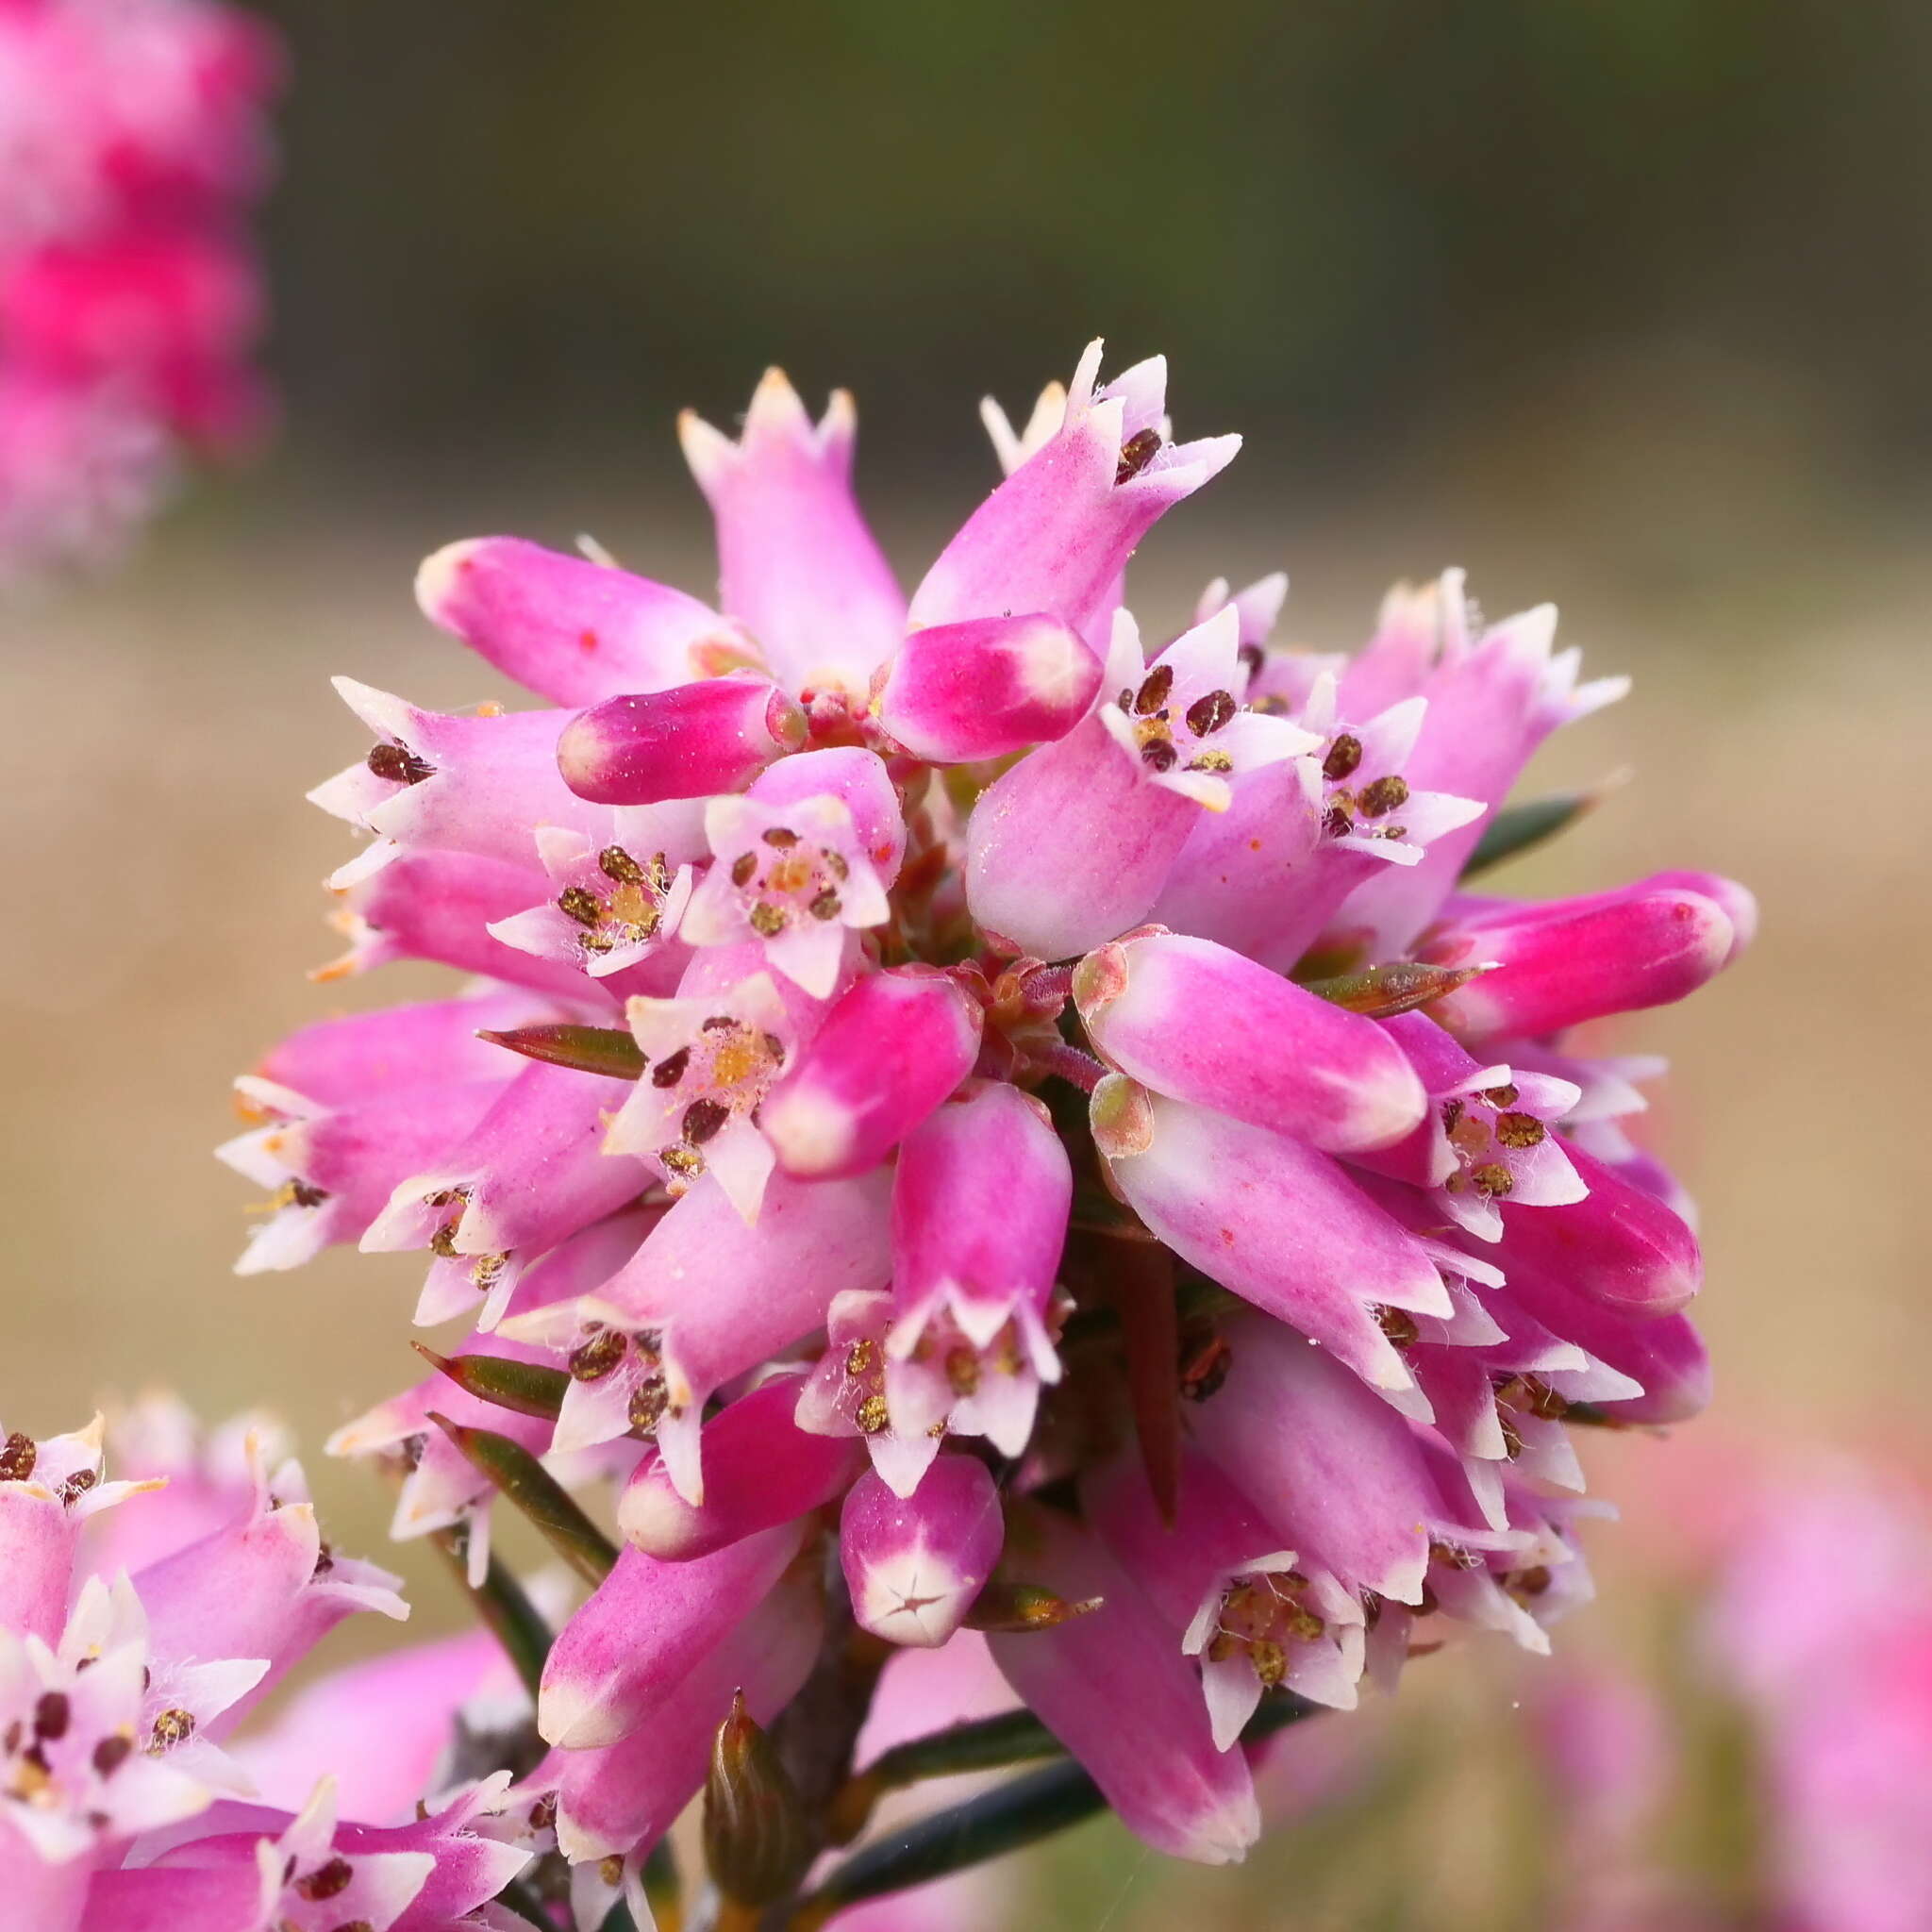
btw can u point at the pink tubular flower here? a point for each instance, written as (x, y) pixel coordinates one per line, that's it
(131, 1659)
(131, 147)
(827, 1145)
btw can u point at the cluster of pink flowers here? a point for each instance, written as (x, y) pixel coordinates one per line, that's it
(131, 147)
(153, 1586)
(984, 1110)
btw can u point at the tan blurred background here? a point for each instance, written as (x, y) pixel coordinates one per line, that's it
(1625, 309)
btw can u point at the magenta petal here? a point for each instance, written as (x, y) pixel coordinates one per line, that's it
(831, 1114)
(684, 742)
(643, 1629)
(1071, 847)
(796, 561)
(1282, 1226)
(1199, 1023)
(1557, 965)
(914, 1564)
(760, 1470)
(1334, 1468)
(1113, 1687)
(571, 631)
(955, 693)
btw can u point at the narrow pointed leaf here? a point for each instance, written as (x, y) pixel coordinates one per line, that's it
(529, 1388)
(511, 1617)
(523, 1481)
(606, 1050)
(1016, 1815)
(1518, 827)
(1382, 992)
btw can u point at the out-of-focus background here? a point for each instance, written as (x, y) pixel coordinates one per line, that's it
(1622, 303)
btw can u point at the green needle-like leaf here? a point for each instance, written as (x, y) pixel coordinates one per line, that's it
(1518, 827)
(502, 1605)
(606, 1050)
(1018, 1814)
(529, 1388)
(1382, 992)
(526, 1483)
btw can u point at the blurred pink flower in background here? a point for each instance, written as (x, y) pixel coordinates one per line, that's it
(132, 147)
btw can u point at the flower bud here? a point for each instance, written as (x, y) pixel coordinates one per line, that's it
(690, 741)
(914, 1564)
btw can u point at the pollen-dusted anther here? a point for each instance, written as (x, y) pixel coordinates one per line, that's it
(1154, 690)
(326, 1881)
(871, 1416)
(1520, 1130)
(1136, 453)
(1493, 1179)
(596, 1356)
(1344, 759)
(1399, 1326)
(1504, 1095)
(767, 919)
(826, 906)
(611, 1870)
(111, 1754)
(78, 1485)
(862, 1356)
(171, 1727)
(619, 868)
(580, 903)
(51, 1714)
(648, 1402)
(703, 1119)
(962, 1371)
(442, 1244)
(1209, 714)
(1381, 796)
(399, 764)
(18, 1455)
(684, 1163)
(1525, 1584)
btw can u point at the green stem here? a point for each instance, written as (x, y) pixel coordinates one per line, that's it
(502, 1605)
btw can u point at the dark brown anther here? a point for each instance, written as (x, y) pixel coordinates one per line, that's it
(648, 1402)
(702, 1119)
(78, 1485)
(326, 1881)
(773, 1046)
(325, 1560)
(619, 867)
(1452, 1112)
(1399, 1326)
(826, 906)
(172, 1727)
(1520, 1129)
(543, 1813)
(767, 921)
(51, 1714)
(580, 903)
(18, 1455)
(1157, 755)
(1453, 1556)
(1206, 1369)
(1154, 690)
(1512, 1436)
(670, 1069)
(1136, 453)
(111, 1754)
(718, 1023)
(1251, 659)
(1344, 758)
(1381, 796)
(742, 866)
(595, 1357)
(399, 764)
(1207, 715)
(1492, 1178)
(1504, 1095)
(1337, 823)
(1529, 1583)
(305, 1195)
(781, 836)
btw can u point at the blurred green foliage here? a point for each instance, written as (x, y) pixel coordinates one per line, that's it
(564, 218)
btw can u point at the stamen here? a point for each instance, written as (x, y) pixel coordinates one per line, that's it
(702, 1119)
(172, 1727)
(1344, 754)
(1380, 797)
(18, 1455)
(111, 1754)
(1207, 715)
(51, 1714)
(767, 921)
(594, 1359)
(670, 1069)
(619, 867)
(826, 906)
(1159, 754)
(580, 903)
(1154, 690)
(399, 764)
(327, 1880)
(1136, 453)
(871, 1416)
(1520, 1130)
(648, 1402)
(780, 835)
(742, 866)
